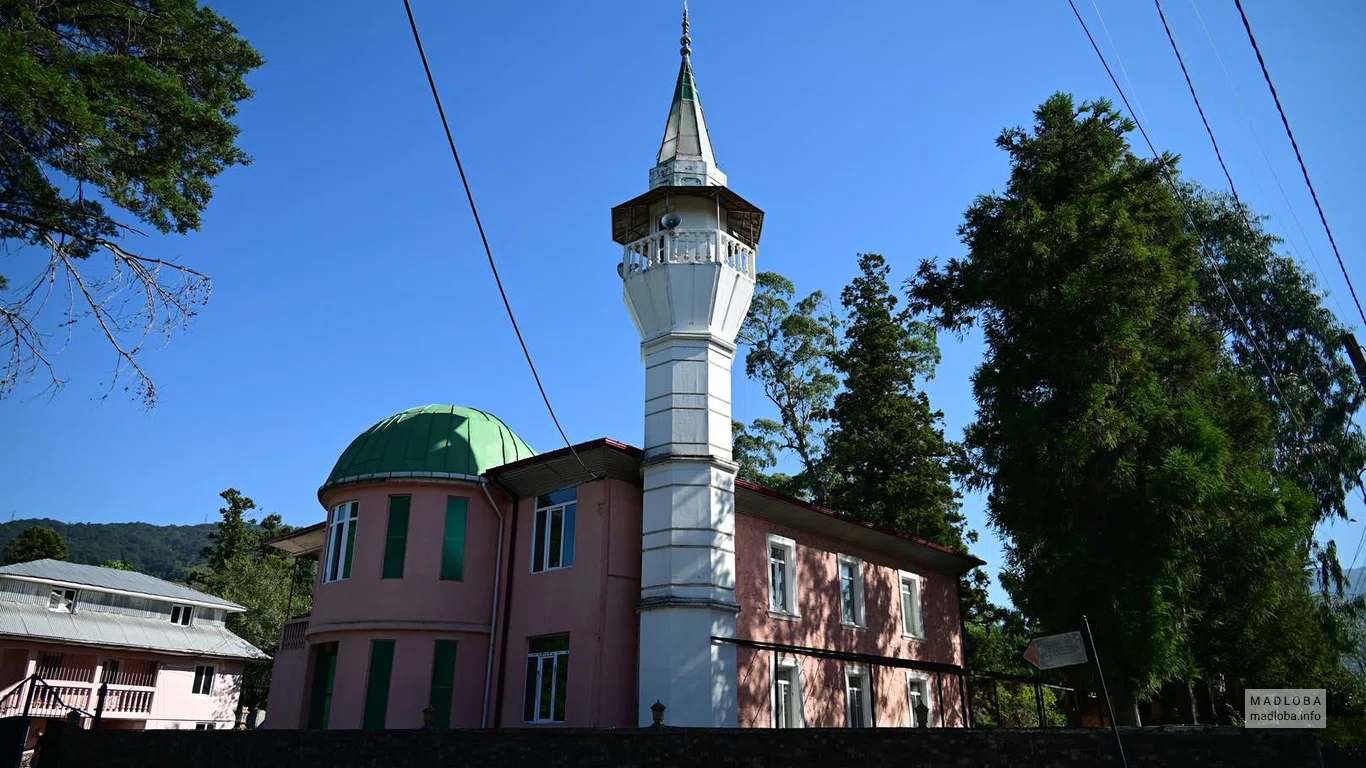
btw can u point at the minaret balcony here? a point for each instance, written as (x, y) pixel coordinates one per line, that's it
(688, 246)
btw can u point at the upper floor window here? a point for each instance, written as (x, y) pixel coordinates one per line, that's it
(61, 599)
(203, 679)
(341, 541)
(851, 591)
(912, 622)
(396, 538)
(553, 542)
(858, 698)
(181, 614)
(547, 679)
(782, 575)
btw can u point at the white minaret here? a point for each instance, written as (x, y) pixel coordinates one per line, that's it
(688, 275)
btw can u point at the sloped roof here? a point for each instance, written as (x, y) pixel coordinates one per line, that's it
(113, 580)
(99, 628)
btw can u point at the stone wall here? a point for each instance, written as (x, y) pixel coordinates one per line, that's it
(554, 748)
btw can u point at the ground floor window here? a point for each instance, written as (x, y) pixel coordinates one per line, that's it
(918, 696)
(203, 726)
(787, 696)
(547, 679)
(858, 698)
(324, 675)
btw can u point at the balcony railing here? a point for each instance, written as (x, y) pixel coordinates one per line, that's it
(127, 701)
(56, 700)
(292, 636)
(688, 246)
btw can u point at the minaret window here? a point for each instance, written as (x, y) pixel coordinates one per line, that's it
(555, 522)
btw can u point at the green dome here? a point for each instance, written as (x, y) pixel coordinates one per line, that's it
(431, 441)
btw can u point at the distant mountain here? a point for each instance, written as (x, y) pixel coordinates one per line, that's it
(164, 551)
(1356, 581)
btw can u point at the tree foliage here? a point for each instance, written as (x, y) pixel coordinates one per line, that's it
(165, 551)
(887, 452)
(242, 568)
(789, 347)
(115, 114)
(34, 543)
(118, 565)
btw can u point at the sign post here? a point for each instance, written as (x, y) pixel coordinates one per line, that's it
(1068, 649)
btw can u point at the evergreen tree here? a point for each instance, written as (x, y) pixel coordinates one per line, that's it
(34, 543)
(118, 565)
(886, 455)
(1096, 435)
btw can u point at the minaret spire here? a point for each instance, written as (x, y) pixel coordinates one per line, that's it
(686, 157)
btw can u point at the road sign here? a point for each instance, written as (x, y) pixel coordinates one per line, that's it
(1053, 651)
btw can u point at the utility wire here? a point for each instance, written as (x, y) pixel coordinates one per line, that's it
(450, 139)
(1190, 220)
(1247, 25)
(1270, 166)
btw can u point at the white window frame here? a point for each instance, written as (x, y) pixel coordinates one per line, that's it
(566, 545)
(860, 615)
(790, 609)
(923, 679)
(65, 599)
(865, 694)
(917, 617)
(795, 693)
(203, 726)
(340, 520)
(182, 615)
(208, 679)
(560, 657)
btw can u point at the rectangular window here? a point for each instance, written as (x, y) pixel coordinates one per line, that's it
(858, 698)
(782, 575)
(396, 537)
(851, 591)
(547, 679)
(787, 697)
(443, 682)
(203, 679)
(110, 673)
(324, 676)
(377, 684)
(63, 600)
(453, 540)
(912, 623)
(341, 541)
(553, 542)
(917, 696)
(182, 614)
(203, 726)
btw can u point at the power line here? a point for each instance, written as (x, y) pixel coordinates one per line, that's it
(1304, 169)
(1190, 220)
(469, 195)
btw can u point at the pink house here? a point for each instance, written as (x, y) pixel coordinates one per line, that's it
(460, 571)
(160, 650)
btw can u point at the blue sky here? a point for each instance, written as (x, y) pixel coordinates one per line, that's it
(349, 281)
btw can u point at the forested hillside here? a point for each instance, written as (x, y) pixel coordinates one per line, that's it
(164, 551)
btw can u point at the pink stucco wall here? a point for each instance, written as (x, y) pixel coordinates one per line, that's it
(819, 626)
(594, 602)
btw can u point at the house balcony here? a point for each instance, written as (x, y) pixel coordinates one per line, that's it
(688, 246)
(69, 682)
(292, 636)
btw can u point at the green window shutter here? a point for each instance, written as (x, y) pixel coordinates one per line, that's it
(453, 543)
(396, 537)
(443, 681)
(377, 686)
(324, 675)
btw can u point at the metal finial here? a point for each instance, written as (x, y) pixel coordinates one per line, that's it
(686, 50)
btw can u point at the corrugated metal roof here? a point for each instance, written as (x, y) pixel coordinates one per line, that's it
(113, 579)
(36, 622)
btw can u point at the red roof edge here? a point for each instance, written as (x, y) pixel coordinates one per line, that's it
(601, 442)
(772, 494)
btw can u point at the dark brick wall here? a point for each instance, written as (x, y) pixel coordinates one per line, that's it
(1168, 747)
